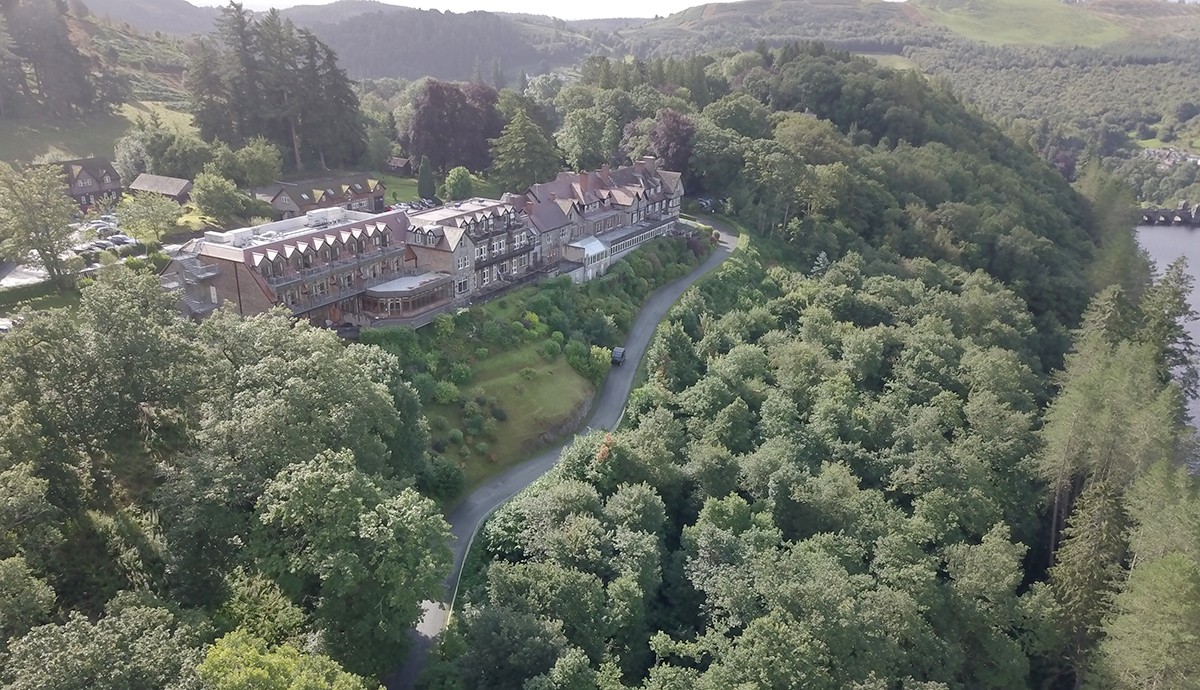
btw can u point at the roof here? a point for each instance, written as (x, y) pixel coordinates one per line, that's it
(96, 167)
(397, 161)
(407, 285)
(590, 245)
(161, 184)
(311, 192)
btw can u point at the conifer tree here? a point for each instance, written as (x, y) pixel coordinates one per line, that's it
(1087, 571)
(522, 155)
(426, 187)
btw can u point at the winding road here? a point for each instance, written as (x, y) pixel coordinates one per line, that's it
(466, 519)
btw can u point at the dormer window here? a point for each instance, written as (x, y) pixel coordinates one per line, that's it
(107, 179)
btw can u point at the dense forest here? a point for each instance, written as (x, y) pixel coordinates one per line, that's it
(853, 463)
(925, 430)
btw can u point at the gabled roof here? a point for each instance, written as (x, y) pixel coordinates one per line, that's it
(96, 167)
(160, 184)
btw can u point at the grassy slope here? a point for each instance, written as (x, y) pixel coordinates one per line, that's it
(405, 188)
(1038, 22)
(31, 138)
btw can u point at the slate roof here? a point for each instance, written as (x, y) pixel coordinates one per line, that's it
(161, 184)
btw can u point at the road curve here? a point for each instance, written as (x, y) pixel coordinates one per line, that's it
(468, 516)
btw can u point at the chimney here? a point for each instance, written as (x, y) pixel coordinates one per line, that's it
(604, 169)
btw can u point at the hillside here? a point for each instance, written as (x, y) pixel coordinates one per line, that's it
(168, 16)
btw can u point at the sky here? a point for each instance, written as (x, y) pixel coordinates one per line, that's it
(554, 8)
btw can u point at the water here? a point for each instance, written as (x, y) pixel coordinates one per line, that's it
(1165, 244)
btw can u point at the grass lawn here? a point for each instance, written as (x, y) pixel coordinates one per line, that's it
(535, 394)
(51, 301)
(405, 188)
(1035, 22)
(24, 139)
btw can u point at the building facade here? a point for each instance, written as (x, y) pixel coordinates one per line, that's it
(91, 181)
(328, 266)
(337, 265)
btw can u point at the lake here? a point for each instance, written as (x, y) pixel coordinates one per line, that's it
(1165, 244)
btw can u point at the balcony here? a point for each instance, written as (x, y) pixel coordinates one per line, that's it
(338, 265)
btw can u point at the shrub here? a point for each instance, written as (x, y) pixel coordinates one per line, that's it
(455, 436)
(446, 479)
(439, 423)
(474, 424)
(558, 338)
(549, 350)
(528, 374)
(425, 385)
(460, 373)
(479, 396)
(490, 428)
(445, 392)
(499, 414)
(482, 448)
(439, 445)
(481, 353)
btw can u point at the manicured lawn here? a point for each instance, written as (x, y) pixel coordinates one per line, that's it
(536, 395)
(405, 188)
(24, 139)
(1036, 22)
(51, 301)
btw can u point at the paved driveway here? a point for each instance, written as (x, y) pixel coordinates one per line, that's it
(469, 515)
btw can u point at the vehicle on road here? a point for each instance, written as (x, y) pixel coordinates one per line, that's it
(122, 239)
(618, 356)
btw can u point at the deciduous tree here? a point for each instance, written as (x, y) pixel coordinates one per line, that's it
(35, 217)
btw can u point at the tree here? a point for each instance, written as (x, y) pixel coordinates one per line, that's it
(1151, 638)
(588, 137)
(671, 139)
(25, 601)
(371, 556)
(260, 162)
(241, 661)
(133, 647)
(208, 93)
(217, 197)
(148, 216)
(742, 114)
(523, 156)
(505, 647)
(35, 217)
(426, 187)
(499, 81)
(458, 184)
(1087, 571)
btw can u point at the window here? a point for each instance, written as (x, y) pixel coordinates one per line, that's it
(212, 294)
(487, 276)
(480, 252)
(461, 286)
(319, 289)
(499, 245)
(81, 184)
(107, 179)
(462, 262)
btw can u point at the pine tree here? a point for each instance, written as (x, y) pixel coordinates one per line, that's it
(522, 155)
(208, 93)
(1088, 570)
(281, 101)
(239, 34)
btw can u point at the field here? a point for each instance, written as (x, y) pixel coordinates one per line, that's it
(24, 140)
(536, 395)
(1031, 22)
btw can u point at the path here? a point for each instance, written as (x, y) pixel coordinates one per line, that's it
(469, 515)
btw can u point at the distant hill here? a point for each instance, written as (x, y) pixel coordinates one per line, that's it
(168, 16)
(376, 39)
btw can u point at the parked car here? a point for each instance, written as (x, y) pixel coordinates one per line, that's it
(618, 356)
(110, 219)
(102, 244)
(121, 239)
